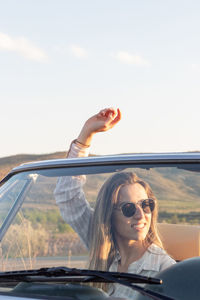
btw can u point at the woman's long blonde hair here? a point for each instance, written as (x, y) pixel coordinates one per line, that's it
(102, 242)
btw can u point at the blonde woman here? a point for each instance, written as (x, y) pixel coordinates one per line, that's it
(121, 231)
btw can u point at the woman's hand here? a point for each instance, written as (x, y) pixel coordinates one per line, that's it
(103, 121)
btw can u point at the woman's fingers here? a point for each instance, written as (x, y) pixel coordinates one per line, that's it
(103, 121)
(118, 115)
(113, 114)
(108, 118)
(117, 118)
(106, 111)
(108, 114)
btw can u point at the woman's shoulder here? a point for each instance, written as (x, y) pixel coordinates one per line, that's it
(154, 249)
(159, 257)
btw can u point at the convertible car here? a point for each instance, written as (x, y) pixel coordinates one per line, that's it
(42, 257)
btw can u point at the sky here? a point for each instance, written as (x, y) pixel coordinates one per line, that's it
(62, 61)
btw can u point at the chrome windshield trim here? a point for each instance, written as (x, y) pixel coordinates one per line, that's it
(111, 159)
(122, 159)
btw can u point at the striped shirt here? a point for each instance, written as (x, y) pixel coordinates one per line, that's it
(77, 212)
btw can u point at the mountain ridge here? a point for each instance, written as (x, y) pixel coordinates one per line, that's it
(9, 162)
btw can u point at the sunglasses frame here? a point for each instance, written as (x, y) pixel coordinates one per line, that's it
(141, 203)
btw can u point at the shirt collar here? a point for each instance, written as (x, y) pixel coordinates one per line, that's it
(150, 261)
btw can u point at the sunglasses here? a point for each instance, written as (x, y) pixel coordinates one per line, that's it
(128, 209)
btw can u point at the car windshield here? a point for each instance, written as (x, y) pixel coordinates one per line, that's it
(37, 231)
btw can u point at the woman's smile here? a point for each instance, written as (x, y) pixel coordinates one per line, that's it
(138, 226)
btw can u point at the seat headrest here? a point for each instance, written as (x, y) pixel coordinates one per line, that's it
(180, 241)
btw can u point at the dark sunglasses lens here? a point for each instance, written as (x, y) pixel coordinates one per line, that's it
(128, 209)
(148, 205)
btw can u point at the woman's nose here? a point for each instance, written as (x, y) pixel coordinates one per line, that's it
(139, 214)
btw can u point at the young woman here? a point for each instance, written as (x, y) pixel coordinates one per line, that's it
(121, 232)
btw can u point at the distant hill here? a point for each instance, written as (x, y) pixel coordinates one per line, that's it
(9, 162)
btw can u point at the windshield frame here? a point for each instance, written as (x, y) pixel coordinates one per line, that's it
(190, 161)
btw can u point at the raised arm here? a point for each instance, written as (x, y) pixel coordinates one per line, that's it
(69, 195)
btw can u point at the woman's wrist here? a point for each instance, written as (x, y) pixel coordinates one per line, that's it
(85, 138)
(77, 150)
(80, 144)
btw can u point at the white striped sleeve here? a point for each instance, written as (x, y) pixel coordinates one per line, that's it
(70, 198)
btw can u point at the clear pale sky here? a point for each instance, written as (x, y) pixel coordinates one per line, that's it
(62, 61)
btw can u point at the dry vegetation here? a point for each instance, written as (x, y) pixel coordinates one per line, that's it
(24, 243)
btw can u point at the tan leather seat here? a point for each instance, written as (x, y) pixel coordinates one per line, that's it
(180, 241)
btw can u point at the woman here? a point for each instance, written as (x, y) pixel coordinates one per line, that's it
(121, 232)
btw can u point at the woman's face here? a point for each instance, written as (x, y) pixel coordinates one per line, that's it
(135, 227)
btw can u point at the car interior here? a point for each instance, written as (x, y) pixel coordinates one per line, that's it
(181, 241)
